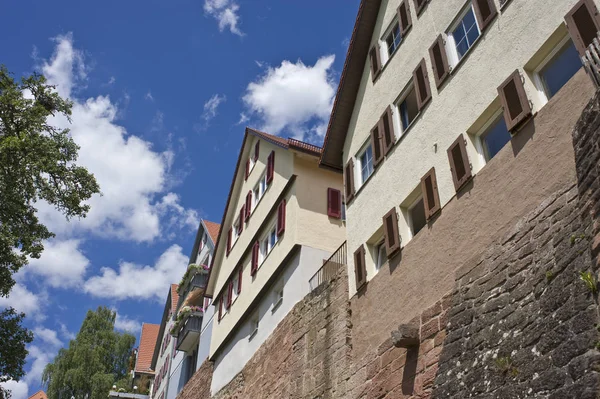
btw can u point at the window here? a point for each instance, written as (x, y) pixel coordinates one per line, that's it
(235, 292)
(408, 108)
(343, 211)
(226, 299)
(236, 230)
(494, 137)
(203, 241)
(464, 34)
(381, 256)
(277, 296)
(556, 72)
(259, 190)
(360, 271)
(375, 61)
(365, 159)
(334, 203)
(206, 260)
(416, 215)
(393, 39)
(514, 101)
(404, 17)
(583, 23)
(267, 243)
(253, 326)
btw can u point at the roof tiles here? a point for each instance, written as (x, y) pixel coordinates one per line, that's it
(148, 339)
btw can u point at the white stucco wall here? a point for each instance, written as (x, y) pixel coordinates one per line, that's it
(512, 40)
(205, 335)
(164, 357)
(239, 349)
(175, 376)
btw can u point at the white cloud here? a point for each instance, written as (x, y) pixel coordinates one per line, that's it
(64, 330)
(293, 97)
(123, 323)
(62, 263)
(48, 336)
(111, 81)
(134, 281)
(210, 107)
(23, 300)
(149, 96)
(132, 176)
(41, 357)
(226, 14)
(19, 389)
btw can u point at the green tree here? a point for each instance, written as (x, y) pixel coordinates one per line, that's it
(96, 359)
(13, 337)
(37, 163)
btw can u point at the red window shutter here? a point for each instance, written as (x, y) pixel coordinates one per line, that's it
(459, 163)
(349, 176)
(281, 218)
(255, 249)
(220, 307)
(240, 273)
(485, 11)
(270, 167)
(514, 101)
(583, 23)
(334, 203)
(421, 82)
(375, 60)
(439, 61)
(256, 150)
(392, 236)
(431, 198)
(229, 237)
(376, 144)
(248, 205)
(404, 17)
(360, 271)
(229, 294)
(247, 169)
(242, 218)
(387, 130)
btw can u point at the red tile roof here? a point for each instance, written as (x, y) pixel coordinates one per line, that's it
(287, 143)
(39, 395)
(213, 230)
(148, 339)
(174, 298)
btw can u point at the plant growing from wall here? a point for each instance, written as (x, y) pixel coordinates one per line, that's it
(182, 317)
(590, 281)
(191, 271)
(504, 364)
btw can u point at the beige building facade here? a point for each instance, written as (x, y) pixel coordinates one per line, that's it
(282, 219)
(432, 92)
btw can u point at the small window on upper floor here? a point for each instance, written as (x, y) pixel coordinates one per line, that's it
(365, 163)
(259, 190)
(253, 326)
(408, 107)
(556, 70)
(463, 35)
(393, 39)
(416, 216)
(203, 241)
(235, 290)
(494, 136)
(277, 296)
(267, 243)
(380, 255)
(236, 230)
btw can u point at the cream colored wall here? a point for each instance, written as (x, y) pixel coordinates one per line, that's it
(510, 42)
(314, 228)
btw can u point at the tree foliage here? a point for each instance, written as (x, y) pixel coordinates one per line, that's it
(96, 359)
(37, 163)
(13, 337)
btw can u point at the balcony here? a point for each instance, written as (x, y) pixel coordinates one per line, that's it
(330, 268)
(187, 338)
(194, 278)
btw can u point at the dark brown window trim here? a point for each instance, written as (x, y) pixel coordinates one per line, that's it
(440, 42)
(513, 125)
(419, 10)
(571, 26)
(404, 29)
(360, 252)
(484, 24)
(430, 212)
(391, 251)
(460, 143)
(422, 103)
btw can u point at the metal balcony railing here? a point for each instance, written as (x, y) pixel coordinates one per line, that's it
(189, 333)
(591, 61)
(199, 280)
(330, 268)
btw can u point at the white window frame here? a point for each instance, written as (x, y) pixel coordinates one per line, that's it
(479, 144)
(389, 31)
(397, 113)
(359, 169)
(537, 78)
(235, 289)
(225, 300)
(251, 164)
(235, 231)
(254, 324)
(278, 296)
(265, 246)
(451, 50)
(258, 192)
(380, 258)
(409, 220)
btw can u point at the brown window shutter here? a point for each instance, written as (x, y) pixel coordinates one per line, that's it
(255, 249)
(247, 169)
(242, 218)
(459, 163)
(270, 167)
(334, 203)
(421, 82)
(375, 59)
(583, 23)
(229, 294)
(514, 101)
(229, 240)
(420, 6)
(240, 274)
(376, 144)
(431, 198)
(281, 218)
(404, 19)
(485, 11)
(349, 180)
(439, 61)
(387, 129)
(360, 270)
(256, 150)
(248, 205)
(392, 236)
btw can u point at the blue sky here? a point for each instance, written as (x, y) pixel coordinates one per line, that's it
(162, 91)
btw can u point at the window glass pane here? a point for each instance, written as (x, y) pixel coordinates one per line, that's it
(408, 109)
(495, 138)
(417, 217)
(393, 39)
(366, 163)
(381, 255)
(560, 69)
(465, 33)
